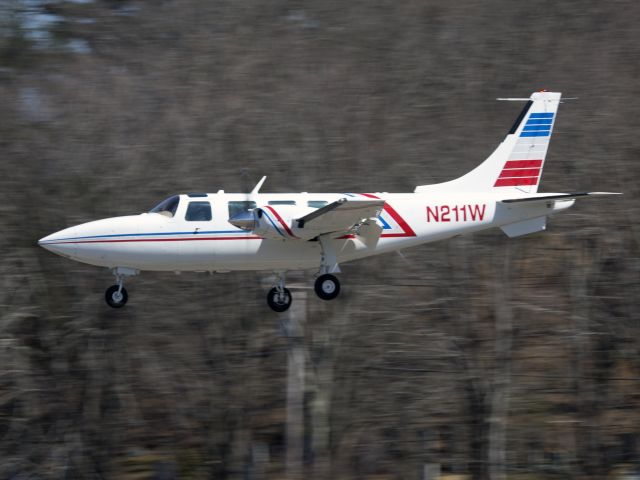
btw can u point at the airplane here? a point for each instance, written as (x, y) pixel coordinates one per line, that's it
(221, 232)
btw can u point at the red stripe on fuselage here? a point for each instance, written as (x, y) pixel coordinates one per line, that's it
(156, 240)
(408, 231)
(286, 227)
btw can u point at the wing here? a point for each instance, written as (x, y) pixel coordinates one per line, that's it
(341, 217)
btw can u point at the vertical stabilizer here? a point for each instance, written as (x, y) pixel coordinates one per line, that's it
(516, 165)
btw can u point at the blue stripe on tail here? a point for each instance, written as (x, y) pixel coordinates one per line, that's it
(544, 133)
(542, 115)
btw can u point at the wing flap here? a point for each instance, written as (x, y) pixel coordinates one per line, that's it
(341, 216)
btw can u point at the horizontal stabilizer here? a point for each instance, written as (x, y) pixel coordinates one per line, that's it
(544, 197)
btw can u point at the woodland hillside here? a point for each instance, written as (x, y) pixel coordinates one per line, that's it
(477, 358)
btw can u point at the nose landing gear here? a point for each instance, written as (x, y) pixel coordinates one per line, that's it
(116, 296)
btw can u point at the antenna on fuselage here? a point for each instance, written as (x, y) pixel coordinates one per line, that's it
(256, 189)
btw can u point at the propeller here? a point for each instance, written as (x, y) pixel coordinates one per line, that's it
(245, 219)
(244, 182)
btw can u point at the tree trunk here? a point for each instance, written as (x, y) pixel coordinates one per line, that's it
(294, 328)
(502, 374)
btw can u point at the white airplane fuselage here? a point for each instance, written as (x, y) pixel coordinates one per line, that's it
(155, 242)
(296, 231)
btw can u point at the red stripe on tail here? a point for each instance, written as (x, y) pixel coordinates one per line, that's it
(523, 164)
(520, 172)
(516, 182)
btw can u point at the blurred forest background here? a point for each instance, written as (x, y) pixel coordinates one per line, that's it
(478, 358)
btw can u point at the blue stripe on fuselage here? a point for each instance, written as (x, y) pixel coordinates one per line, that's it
(151, 234)
(272, 222)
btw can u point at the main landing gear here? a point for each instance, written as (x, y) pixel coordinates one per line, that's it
(326, 286)
(116, 296)
(279, 297)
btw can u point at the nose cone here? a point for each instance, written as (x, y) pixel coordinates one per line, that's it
(101, 242)
(60, 243)
(243, 220)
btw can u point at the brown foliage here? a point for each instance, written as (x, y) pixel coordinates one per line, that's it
(430, 361)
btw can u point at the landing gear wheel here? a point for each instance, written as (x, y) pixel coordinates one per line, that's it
(115, 298)
(327, 287)
(279, 302)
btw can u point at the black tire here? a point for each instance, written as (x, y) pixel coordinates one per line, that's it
(327, 286)
(116, 302)
(274, 302)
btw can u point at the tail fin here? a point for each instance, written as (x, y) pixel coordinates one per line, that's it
(516, 165)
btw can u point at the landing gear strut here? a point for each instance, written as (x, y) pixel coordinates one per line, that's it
(279, 297)
(327, 286)
(116, 296)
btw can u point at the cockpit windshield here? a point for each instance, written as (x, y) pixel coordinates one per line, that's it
(167, 207)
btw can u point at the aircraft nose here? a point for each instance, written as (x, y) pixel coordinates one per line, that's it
(44, 241)
(61, 243)
(93, 242)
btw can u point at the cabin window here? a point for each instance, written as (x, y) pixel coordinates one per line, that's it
(198, 212)
(282, 202)
(238, 207)
(317, 203)
(167, 207)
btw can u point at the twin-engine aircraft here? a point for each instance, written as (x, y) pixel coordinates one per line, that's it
(220, 232)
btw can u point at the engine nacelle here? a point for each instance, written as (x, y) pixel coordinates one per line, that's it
(278, 222)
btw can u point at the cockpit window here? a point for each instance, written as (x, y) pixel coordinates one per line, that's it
(167, 207)
(198, 212)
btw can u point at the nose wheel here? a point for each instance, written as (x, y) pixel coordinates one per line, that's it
(327, 286)
(116, 296)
